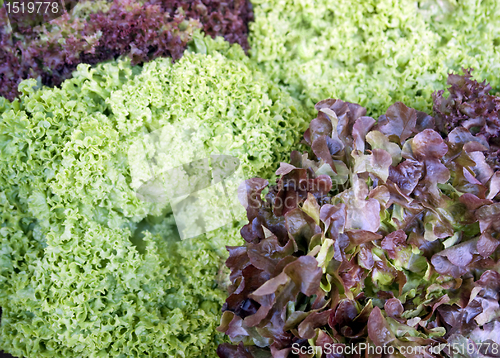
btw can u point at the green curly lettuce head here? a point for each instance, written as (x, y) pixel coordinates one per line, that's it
(374, 52)
(87, 269)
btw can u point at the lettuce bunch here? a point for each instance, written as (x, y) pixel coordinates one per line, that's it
(385, 233)
(469, 104)
(96, 31)
(87, 269)
(374, 52)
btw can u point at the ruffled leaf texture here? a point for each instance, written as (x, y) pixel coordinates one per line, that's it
(86, 268)
(96, 31)
(469, 104)
(374, 53)
(386, 234)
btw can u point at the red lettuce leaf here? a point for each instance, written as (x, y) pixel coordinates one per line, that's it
(388, 235)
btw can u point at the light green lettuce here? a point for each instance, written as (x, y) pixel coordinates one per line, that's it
(374, 52)
(87, 269)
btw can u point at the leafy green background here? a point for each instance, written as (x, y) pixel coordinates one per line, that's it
(374, 52)
(72, 282)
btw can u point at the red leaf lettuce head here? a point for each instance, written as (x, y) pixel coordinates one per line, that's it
(387, 235)
(471, 106)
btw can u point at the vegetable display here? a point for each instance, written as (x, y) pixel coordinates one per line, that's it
(386, 236)
(96, 31)
(86, 267)
(131, 131)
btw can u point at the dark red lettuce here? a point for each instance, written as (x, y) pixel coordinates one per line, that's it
(470, 105)
(140, 30)
(388, 235)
